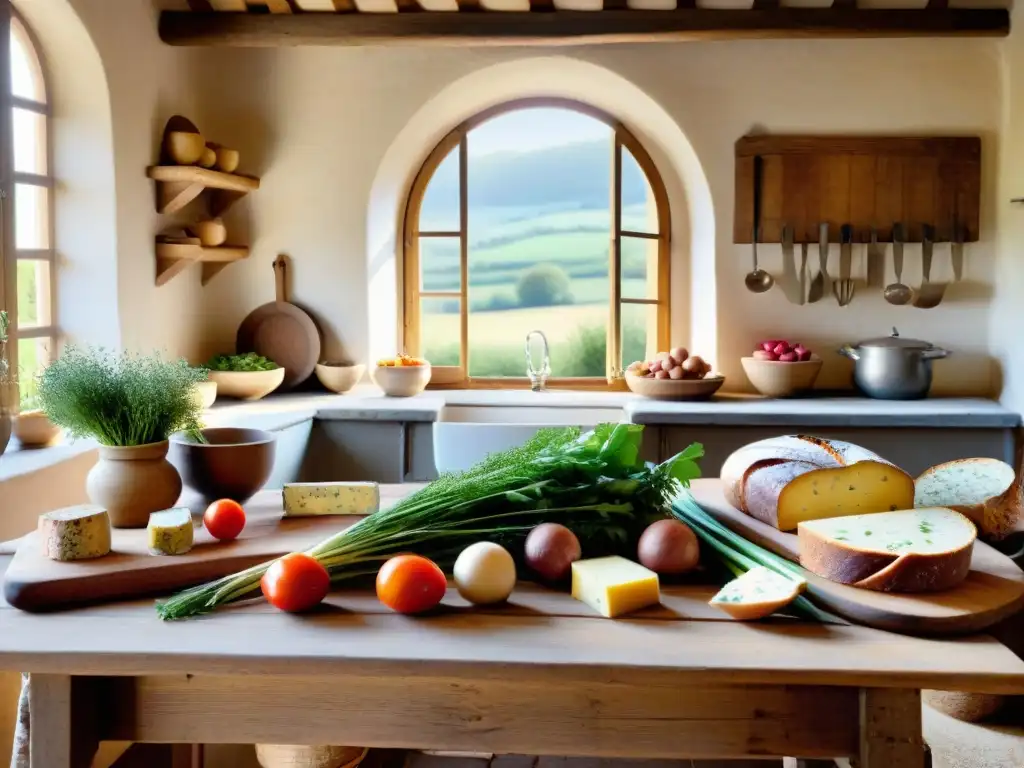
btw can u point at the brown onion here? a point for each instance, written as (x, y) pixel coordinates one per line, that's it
(551, 549)
(668, 547)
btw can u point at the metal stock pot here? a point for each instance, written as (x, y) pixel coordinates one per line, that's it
(892, 367)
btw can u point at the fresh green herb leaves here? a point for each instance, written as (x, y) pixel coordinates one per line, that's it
(246, 363)
(120, 399)
(595, 483)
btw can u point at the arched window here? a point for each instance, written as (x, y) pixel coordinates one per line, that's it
(542, 214)
(28, 254)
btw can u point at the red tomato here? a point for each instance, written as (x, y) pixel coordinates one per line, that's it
(224, 519)
(410, 584)
(295, 583)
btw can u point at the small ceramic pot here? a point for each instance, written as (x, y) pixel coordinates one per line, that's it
(233, 463)
(227, 159)
(209, 157)
(401, 381)
(133, 482)
(339, 377)
(205, 393)
(35, 430)
(211, 233)
(185, 147)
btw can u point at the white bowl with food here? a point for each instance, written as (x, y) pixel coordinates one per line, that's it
(402, 376)
(339, 377)
(205, 392)
(674, 375)
(779, 368)
(247, 385)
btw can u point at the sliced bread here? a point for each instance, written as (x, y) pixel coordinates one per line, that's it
(757, 593)
(986, 490)
(917, 550)
(784, 480)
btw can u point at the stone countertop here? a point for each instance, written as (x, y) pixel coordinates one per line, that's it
(365, 403)
(744, 410)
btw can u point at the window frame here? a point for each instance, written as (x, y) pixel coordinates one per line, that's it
(10, 255)
(409, 277)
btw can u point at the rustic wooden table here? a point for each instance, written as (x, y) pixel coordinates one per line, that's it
(542, 675)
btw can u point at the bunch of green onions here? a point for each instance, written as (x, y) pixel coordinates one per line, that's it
(595, 484)
(739, 555)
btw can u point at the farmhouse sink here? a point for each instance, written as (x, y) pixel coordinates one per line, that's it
(465, 434)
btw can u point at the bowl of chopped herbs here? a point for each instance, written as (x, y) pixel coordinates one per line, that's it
(246, 377)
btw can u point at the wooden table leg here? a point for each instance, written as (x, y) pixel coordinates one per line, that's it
(890, 729)
(61, 734)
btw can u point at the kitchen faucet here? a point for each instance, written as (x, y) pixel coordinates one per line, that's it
(538, 378)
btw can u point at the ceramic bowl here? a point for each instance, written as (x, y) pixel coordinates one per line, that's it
(227, 159)
(775, 379)
(185, 147)
(34, 430)
(339, 377)
(675, 389)
(234, 463)
(205, 392)
(401, 381)
(209, 157)
(247, 385)
(211, 233)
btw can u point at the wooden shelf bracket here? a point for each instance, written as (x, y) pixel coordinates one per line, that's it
(174, 258)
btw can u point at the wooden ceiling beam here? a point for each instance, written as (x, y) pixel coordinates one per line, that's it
(267, 30)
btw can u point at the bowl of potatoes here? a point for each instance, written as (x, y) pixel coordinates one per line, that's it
(673, 375)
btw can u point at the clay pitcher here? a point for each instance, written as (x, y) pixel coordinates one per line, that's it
(130, 483)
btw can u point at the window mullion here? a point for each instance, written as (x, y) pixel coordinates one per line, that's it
(464, 253)
(614, 362)
(8, 274)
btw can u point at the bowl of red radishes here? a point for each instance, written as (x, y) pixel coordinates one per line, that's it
(779, 368)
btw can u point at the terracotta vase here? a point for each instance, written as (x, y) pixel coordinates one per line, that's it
(130, 483)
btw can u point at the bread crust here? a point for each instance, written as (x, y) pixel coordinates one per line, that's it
(755, 476)
(884, 572)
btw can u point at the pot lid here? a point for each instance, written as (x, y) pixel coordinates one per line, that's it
(895, 341)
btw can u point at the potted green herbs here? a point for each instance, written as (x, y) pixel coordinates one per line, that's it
(130, 404)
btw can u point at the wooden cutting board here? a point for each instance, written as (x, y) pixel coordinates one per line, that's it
(994, 588)
(33, 582)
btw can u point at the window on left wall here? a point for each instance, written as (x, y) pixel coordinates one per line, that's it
(26, 197)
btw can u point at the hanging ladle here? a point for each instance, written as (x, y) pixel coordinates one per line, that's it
(757, 281)
(897, 293)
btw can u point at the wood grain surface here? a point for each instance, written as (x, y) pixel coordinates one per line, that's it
(994, 589)
(35, 583)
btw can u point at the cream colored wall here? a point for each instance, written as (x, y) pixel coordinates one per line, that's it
(316, 122)
(1007, 313)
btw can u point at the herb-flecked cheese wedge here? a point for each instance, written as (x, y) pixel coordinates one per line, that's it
(758, 593)
(916, 550)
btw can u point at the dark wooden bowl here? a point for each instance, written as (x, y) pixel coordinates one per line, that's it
(234, 463)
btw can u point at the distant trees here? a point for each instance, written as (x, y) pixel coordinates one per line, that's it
(545, 285)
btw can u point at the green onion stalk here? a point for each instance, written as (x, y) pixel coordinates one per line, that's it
(739, 555)
(595, 484)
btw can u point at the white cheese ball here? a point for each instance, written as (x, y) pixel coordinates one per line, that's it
(485, 573)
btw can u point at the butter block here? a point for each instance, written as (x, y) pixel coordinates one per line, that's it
(170, 532)
(311, 499)
(613, 586)
(75, 533)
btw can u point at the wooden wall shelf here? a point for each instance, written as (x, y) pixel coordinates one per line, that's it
(174, 258)
(543, 24)
(868, 182)
(179, 185)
